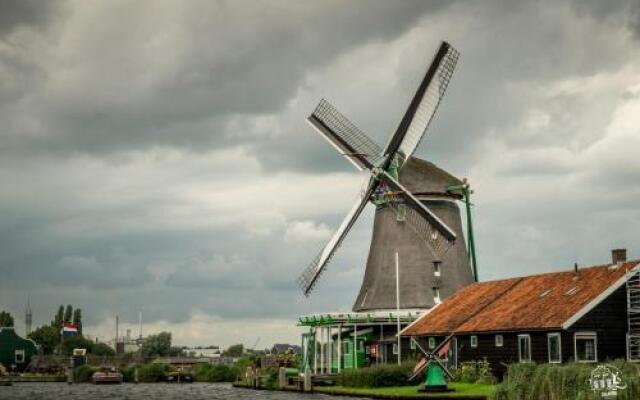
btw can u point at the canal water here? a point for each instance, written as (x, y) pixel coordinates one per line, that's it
(144, 391)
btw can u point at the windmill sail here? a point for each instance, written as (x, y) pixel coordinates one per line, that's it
(309, 277)
(424, 105)
(350, 141)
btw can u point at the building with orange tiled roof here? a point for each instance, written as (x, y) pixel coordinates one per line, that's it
(578, 315)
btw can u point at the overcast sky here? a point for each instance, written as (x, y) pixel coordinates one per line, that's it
(154, 156)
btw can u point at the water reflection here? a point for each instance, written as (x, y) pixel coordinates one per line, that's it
(156, 391)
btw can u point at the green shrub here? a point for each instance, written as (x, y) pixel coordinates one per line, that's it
(377, 376)
(270, 378)
(474, 372)
(557, 382)
(152, 372)
(214, 373)
(128, 373)
(83, 373)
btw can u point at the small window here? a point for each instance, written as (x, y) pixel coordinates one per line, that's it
(436, 268)
(432, 343)
(367, 350)
(19, 356)
(474, 341)
(436, 295)
(554, 348)
(412, 344)
(401, 213)
(395, 348)
(586, 347)
(524, 348)
(499, 341)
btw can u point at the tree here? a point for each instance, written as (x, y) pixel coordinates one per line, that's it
(102, 349)
(77, 320)
(75, 342)
(235, 350)
(68, 314)
(47, 337)
(57, 320)
(175, 351)
(6, 320)
(156, 345)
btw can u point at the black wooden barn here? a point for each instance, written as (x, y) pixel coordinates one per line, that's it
(578, 315)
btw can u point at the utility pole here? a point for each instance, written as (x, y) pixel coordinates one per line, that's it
(115, 343)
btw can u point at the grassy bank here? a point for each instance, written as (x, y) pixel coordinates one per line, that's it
(461, 391)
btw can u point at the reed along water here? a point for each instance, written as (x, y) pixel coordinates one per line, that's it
(144, 391)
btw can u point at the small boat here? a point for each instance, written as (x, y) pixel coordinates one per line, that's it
(179, 377)
(107, 375)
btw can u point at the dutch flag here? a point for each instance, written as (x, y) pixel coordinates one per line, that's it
(68, 330)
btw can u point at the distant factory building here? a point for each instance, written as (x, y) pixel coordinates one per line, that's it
(15, 352)
(585, 315)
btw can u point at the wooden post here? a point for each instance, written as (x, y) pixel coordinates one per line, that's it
(339, 348)
(307, 380)
(315, 351)
(330, 351)
(322, 366)
(282, 378)
(355, 344)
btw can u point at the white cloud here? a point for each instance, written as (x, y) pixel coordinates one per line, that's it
(306, 231)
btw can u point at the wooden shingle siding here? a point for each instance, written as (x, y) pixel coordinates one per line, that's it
(609, 320)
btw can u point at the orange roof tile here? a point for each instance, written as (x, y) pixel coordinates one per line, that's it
(544, 301)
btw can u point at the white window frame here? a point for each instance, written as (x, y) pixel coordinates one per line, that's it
(528, 337)
(473, 340)
(22, 355)
(585, 335)
(436, 295)
(412, 343)
(499, 340)
(436, 268)
(395, 348)
(432, 343)
(554, 335)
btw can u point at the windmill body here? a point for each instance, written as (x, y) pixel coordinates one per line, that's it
(424, 277)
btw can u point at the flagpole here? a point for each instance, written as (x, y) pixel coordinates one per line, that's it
(398, 307)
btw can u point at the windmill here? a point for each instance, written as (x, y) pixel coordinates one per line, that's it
(416, 213)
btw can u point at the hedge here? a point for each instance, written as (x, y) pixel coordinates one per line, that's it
(529, 381)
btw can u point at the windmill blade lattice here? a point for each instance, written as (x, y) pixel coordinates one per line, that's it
(310, 275)
(424, 104)
(424, 230)
(343, 134)
(420, 209)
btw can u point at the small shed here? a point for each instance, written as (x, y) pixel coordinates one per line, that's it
(15, 352)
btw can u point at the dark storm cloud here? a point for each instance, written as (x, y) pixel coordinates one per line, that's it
(30, 13)
(156, 158)
(626, 12)
(223, 60)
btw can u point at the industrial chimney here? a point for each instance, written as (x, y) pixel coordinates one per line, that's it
(618, 256)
